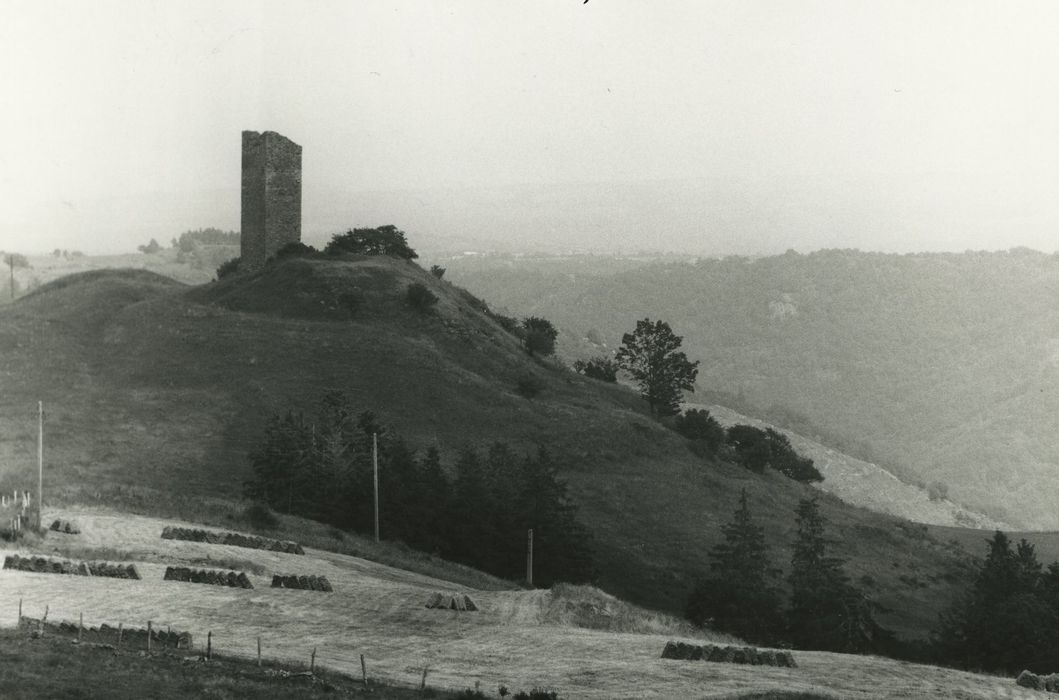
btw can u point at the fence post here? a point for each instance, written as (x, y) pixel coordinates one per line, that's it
(312, 662)
(168, 634)
(363, 670)
(148, 636)
(80, 627)
(209, 644)
(259, 651)
(423, 682)
(120, 630)
(20, 612)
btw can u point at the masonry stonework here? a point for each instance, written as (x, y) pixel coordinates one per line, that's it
(272, 196)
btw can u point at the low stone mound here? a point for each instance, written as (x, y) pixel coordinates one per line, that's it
(304, 583)
(231, 538)
(105, 634)
(43, 565)
(683, 651)
(455, 601)
(65, 526)
(232, 579)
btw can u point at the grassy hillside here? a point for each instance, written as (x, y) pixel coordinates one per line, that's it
(945, 364)
(155, 391)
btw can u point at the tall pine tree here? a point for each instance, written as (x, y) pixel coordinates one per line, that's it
(825, 611)
(738, 595)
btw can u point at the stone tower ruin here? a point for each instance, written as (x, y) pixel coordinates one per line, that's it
(272, 197)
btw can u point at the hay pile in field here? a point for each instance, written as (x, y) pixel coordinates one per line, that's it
(65, 526)
(1028, 679)
(231, 538)
(305, 583)
(43, 565)
(232, 579)
(728, 654)
(105, 634)
(456, 601)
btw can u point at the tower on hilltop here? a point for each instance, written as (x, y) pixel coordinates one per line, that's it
(272, 197)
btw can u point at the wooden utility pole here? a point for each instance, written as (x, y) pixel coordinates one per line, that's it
(375, 463)
(40, 464)
(529, 558)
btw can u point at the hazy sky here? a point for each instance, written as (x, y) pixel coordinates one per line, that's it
(678, 124)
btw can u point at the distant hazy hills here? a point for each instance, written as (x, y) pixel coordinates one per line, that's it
(941, 365)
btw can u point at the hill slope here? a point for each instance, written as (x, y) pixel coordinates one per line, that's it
(944, 363)
(520, 639)
(865, 484)
(155, 392)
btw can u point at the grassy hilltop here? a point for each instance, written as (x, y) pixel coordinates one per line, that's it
(155, 391)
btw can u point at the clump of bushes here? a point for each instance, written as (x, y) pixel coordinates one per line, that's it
(384, 240)
(705, 434)
(538, 336)
(420, 298)
(509, 324)
(757, 449)
(228, 267)
(295, 249)
(437, 270)
(604, 369)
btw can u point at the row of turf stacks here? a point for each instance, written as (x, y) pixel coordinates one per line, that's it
(728, 654)
(43, 565)
(456, 601)
(66, 526)
(305, 583)
(232, 579)
(232, 538)
(129, 637)
(1029, 679)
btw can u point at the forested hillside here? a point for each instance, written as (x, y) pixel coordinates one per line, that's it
(941, 366)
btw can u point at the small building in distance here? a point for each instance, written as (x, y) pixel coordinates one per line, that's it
(271, 197)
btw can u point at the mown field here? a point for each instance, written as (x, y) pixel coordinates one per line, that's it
(520, 639)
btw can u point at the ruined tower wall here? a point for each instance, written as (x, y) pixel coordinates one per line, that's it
(271, 196)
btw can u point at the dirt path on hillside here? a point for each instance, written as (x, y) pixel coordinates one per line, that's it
(379, 612)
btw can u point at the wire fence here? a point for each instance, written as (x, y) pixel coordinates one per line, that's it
(221, 644)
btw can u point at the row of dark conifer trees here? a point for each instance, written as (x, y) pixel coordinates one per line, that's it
(824, 610)
(476, 512)
(1007, 620)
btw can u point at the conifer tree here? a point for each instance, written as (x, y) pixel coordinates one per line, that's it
(825, 610)
(1009, 619)
(738, 595)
